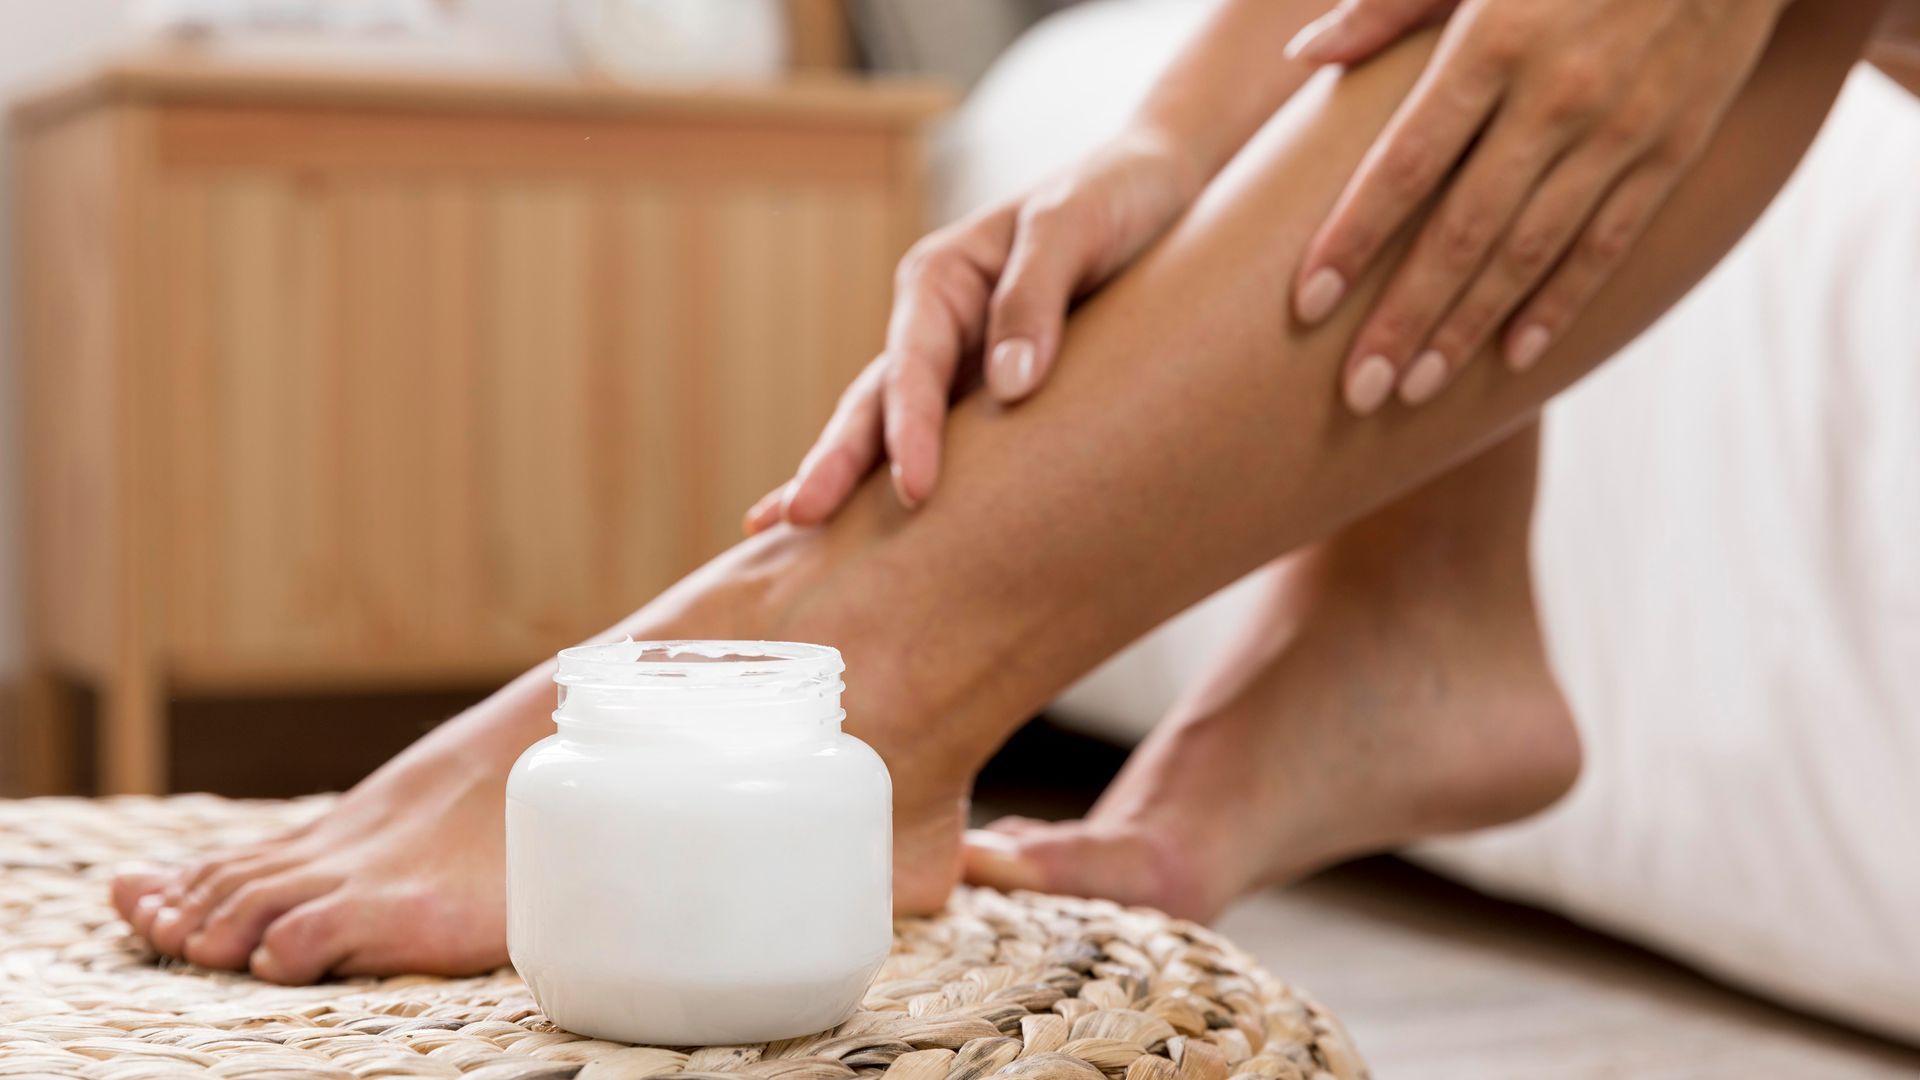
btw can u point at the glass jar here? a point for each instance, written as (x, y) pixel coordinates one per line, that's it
(699, 855)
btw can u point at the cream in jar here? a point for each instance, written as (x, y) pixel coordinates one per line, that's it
(699, 855)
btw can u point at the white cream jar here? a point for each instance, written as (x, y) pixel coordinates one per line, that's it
(699, 855)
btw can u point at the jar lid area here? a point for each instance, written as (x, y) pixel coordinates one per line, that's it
(640, 663)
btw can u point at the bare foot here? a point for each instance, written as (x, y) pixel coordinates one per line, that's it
(403, 874)
(406, 872)
(1370, 720)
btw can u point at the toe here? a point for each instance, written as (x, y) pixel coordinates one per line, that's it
(130, 886)
(305, 943)
(234, 928)
(1081, 858)
(176, 922)
(417, 931)
(145, 910)
(995, 857)
(1014, 825)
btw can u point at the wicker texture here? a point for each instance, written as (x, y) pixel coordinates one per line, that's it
(1028, 987)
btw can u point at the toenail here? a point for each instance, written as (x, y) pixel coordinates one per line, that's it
(147, 904)
(995, 859)
(165, 920)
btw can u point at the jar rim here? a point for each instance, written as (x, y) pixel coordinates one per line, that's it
(691, 662)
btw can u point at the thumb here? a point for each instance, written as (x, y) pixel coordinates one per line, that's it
(1356, 29)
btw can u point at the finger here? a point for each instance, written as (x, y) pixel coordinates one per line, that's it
(845, 452)
(915, 393)
(766, 510)
(1602, 244)
(939, 315)
(1047, 266)
(1539, 236)
(1449, 252)
(1426, 136)
(930, 330)
(1356, 29)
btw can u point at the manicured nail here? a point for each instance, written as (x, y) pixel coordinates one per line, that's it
(1527, 347)
(1369, 385)
(1011, 370)
(762, 514)
(900, 486)
(1424, 378)
(1316, 38)
(994, 859)
(1319, 295)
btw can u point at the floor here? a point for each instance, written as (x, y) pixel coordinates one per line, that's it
(1437, 982)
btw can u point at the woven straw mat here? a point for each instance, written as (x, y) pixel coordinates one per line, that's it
(1026, 987)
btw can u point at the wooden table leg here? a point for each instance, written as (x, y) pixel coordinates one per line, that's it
(43, 762)
(132, 755)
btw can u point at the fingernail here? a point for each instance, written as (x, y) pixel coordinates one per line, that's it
(1315, 38)
(1011, 369)
(1369, 385)
(1424, 378)
(759, 515)
(1528, 346)
(994, 859)
(1319, 295)
(900, 486)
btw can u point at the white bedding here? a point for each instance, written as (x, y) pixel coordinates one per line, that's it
(1727, 555)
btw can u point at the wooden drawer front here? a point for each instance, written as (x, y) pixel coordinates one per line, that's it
(69, 396)
(427, 422)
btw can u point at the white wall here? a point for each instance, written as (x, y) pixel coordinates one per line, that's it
(37, 40)
(43, 39)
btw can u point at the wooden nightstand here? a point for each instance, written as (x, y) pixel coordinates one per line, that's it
(336, 382)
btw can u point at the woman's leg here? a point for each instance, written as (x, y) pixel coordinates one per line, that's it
(1190, 434)
(1391, 684)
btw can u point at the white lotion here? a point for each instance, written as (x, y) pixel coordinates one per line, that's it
(699, 855)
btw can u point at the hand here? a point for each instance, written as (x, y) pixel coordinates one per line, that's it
(995, 286)
(1563, 125)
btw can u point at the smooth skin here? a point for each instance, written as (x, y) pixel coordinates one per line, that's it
(1544, 132)
(1188, 436)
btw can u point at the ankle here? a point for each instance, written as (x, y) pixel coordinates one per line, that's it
(941, 694)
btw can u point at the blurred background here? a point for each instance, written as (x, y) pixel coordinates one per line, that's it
(361, 353)
(356, 354)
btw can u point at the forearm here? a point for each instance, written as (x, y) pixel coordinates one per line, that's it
(1227, 81)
